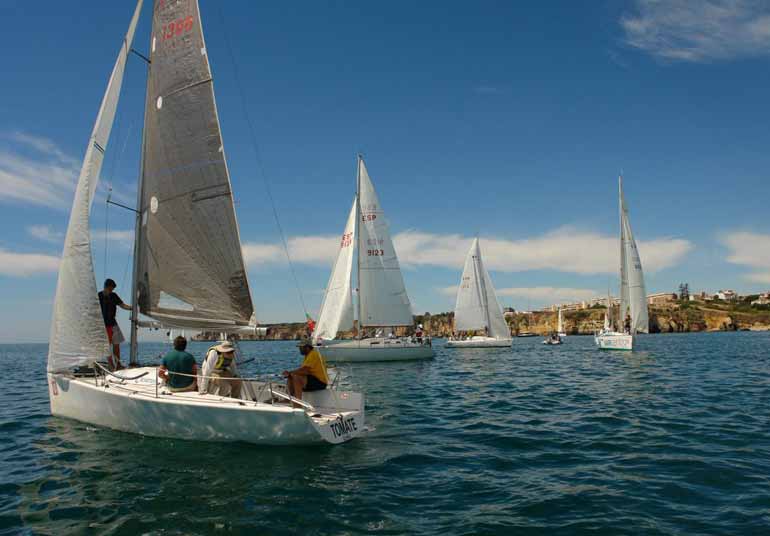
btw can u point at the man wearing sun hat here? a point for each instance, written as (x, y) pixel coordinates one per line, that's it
(219, 371)
(311, 375)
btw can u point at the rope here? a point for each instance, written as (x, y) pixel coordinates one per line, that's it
(260, 165)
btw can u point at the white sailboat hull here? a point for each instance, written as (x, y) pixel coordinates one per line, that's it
(614, 341)
(134, 407)
(375, 349)
(478, 342)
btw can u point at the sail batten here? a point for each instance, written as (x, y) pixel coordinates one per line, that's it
(189, 243)
(77, 333)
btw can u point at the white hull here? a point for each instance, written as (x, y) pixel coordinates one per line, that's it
(614, 341)
(134, 406)
(375, 349)
(478, 342)
(549, 342)
(562, 335)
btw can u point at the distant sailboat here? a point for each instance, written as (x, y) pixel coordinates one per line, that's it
(560, 326)
(477, 308)
(188, 267)
(382, 299)
(632, 317)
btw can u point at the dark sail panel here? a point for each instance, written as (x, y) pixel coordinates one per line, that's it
(190, 266)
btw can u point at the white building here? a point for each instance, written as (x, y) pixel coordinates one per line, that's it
(727, 295)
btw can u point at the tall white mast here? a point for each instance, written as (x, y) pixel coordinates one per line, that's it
(358, 248)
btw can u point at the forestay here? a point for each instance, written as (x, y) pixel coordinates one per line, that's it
(190, 267)
(337, 308)
(77, 329)
(384, 301)
(635, 294)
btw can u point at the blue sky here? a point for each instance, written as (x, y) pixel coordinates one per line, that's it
(495, 118)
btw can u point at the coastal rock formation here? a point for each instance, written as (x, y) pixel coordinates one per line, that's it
(673, 318)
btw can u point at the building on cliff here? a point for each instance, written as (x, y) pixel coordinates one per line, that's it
(661, 298)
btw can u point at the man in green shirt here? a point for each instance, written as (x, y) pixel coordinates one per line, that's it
(180, 362)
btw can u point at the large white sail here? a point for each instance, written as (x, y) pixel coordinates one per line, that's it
(477, 306)
(77, 329)
(190, 269)
(635, 292)
(470, 309)
(560, 326)
(337, 308)
(498, 327)
(382, 295)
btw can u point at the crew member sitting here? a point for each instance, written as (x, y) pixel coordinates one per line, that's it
(178, 368)
(311, 375)
(221, 367)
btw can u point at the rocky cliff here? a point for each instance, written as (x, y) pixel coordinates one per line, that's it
(677, 317)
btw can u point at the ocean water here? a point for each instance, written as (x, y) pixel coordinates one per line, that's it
(672, 439)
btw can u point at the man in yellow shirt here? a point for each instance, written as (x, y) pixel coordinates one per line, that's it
(311, 375)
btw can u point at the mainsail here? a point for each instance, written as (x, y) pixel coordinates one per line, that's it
(190, 270)
(77, 328)
(477, 306)
(337, 307)
(634, 291)
(560, 326)
(382, 295)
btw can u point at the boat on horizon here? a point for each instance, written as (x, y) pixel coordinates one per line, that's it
(632, 316)
(188, 272)
(477, 307)
(382, 303)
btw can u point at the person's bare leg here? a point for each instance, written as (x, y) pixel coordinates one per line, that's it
(299, 384)
(110, 362)
(116, 351)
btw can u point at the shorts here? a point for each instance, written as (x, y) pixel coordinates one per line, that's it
(115, 335)
(314, 384)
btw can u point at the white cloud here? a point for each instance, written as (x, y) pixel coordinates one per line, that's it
(34, 170)
(46, 233)
(749, 249)
(565, 249)
(122, 236)
(699, 30)
(538, 294)
(26, 264)
(316, 250)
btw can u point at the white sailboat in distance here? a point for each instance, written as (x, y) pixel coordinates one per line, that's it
(632, 317)
(188, 268)
(382, 303)
(560, 327)
(477, 308)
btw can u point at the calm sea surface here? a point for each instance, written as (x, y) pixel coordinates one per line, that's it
(673, 439)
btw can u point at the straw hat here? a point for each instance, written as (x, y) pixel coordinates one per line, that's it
(224, 347)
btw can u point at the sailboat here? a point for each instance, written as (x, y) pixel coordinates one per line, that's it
(188, 267)
(382, 303)
(560, 327)
(632, 317)
(477, 307)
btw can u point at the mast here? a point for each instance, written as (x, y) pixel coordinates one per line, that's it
(358, 242)
(134, 357)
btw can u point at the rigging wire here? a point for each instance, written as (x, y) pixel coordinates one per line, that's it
(260, 164)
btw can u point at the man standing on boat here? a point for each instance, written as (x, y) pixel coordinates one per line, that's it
(220, 366)
(311, 375)
(110, 301)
